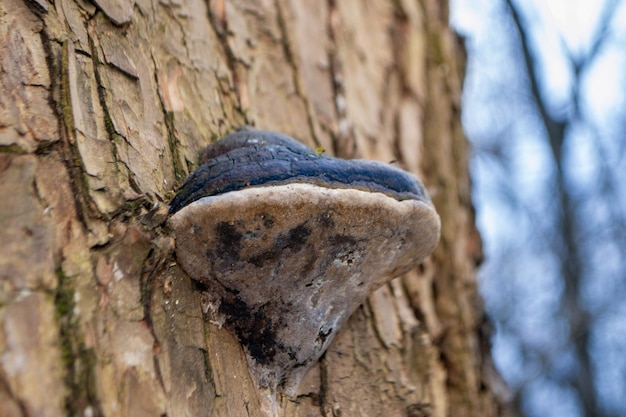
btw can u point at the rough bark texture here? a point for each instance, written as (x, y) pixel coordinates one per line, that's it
(104, 109)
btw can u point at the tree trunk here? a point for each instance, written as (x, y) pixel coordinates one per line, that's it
(104, 110)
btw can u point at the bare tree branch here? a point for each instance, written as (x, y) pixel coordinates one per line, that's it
(570, 253)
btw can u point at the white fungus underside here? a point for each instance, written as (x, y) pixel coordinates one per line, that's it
(306, 255)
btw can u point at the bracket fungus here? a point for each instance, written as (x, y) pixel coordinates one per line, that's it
(289, 242)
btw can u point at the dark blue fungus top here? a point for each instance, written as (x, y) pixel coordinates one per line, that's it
(253, 158)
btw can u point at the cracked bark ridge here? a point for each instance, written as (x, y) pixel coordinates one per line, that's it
(290, 242)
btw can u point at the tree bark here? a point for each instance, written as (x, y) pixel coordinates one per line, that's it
(104, 110)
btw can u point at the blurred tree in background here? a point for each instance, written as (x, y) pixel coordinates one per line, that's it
(544, 106)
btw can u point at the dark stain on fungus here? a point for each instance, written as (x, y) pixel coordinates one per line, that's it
(343, 248)
(341, 242)
(268, 221)
(292, 240)
(325, 220)
(254, 329)
(227, 247)
(311, 258)
(228, 240)
(323, 335)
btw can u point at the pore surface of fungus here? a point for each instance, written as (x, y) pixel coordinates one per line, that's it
(288, 242)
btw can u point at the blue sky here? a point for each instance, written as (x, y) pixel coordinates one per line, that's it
(514, 196)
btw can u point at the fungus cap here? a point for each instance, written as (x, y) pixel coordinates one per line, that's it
(287, 260)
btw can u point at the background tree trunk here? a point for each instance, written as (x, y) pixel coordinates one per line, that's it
(104, 109)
